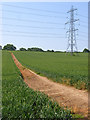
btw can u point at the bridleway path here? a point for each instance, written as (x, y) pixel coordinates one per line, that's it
(74, 99)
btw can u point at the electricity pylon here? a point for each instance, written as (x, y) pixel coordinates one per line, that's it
(72, 32)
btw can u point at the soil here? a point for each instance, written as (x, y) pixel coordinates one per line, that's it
(66, 96)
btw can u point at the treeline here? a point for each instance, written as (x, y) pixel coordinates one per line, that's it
(11, 47)
(32, 49)
(35, 49)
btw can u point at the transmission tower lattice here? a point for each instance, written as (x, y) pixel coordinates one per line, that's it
(72, 32)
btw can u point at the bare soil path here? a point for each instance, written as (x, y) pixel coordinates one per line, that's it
(74, 99)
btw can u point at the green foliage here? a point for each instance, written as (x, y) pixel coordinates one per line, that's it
(50, 50)
(9, 47)
(66, 69)
(22, 49)
(29, 49)
(35, 49)
(86, 50)
(21, 102)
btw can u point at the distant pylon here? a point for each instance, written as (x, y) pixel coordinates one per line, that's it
(72, 32)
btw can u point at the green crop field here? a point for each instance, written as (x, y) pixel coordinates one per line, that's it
(21, 102)
(66, 69)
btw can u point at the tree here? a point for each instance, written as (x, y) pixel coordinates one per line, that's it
(50, 50)
(29, 49)
(35, 49)
(22, 49)
(59, 51)
(86, 50)
(9, 47)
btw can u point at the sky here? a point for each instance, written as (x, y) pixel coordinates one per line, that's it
(42, 24)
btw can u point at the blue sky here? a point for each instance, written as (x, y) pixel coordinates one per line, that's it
(40, 26)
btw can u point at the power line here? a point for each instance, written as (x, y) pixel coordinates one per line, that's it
(31, 14)
(41, 10)
(16, 35)
(84, 26)
(25, 20)
(83, 32)
(39, 36)
(83, 22)
(28, 32)
(34, 27)
(30, 36)
(84, 35)
(80, 33)
(82, 16)
(34, 9)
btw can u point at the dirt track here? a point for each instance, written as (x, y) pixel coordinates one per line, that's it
(76, 100)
